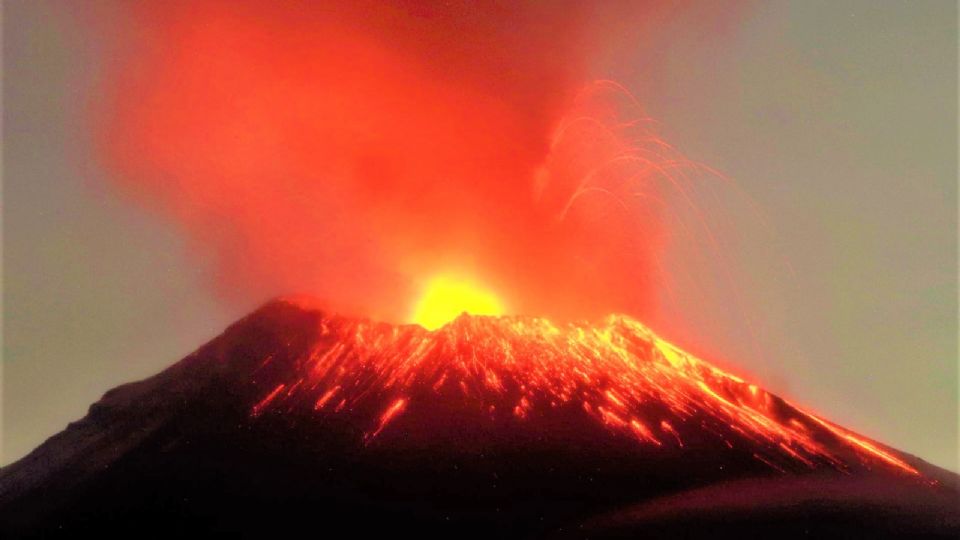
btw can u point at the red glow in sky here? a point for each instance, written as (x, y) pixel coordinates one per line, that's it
(355, 150)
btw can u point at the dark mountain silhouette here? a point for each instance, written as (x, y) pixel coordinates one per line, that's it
(298, 421)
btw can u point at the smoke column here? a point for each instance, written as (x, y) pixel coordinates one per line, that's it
(350, 150)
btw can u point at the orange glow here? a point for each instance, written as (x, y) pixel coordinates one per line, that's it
(866, 445)
(444, 298)
(393, 410)
(340, 148)
(617, 372)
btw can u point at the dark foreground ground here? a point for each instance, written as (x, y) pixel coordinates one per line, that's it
(242, 488)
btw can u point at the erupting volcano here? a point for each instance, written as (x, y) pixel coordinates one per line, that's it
(487, 425)
(506, 221)
(492, 373)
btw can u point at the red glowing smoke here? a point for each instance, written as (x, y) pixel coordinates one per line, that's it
(351, 149)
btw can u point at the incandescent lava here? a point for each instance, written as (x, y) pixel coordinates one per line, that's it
(510, 371)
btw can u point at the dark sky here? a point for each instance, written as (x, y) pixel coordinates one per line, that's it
(837, 122)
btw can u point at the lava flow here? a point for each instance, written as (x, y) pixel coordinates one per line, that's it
(522, 372)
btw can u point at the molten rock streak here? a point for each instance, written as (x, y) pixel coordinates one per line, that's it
(522, 372)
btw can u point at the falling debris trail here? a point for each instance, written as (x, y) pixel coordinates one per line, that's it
(617, 372)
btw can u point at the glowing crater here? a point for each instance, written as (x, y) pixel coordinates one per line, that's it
(446, 297)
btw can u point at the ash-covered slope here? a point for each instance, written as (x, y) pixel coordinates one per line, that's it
(295, 419)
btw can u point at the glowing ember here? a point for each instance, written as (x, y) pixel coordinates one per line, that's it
(444, 298)
(617, 374)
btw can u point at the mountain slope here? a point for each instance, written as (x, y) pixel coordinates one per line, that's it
(485, 426)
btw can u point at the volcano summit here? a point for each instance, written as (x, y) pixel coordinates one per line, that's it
(295, 419)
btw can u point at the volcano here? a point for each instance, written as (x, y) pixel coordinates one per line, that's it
(296, 419)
